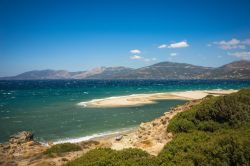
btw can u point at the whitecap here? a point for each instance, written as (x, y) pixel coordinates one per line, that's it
(86, 138)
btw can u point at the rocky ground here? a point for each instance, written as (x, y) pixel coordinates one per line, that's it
(22, 150)
(152, 136)
(20, 147)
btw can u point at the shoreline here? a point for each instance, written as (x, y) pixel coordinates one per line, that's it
(150, 98)
(179, 95)
(146, 99)
(150, 136)
(97, 136)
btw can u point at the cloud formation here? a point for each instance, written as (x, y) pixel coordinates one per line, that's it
(181, 44)
(162, 46)
(242, 55)
(232, 44)
(135, 57)
(136, 51)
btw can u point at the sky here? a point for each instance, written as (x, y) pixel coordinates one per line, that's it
(80, 35)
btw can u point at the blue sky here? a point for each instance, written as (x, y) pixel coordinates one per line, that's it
(79, 35)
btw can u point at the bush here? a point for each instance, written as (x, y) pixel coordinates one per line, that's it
(233, 109)
(210, 126)
(182, 125)
(62, 148)
(183, 122)
(109, 157)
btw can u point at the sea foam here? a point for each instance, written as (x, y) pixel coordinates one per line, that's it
(88, 137)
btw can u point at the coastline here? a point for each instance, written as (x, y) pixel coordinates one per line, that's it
(97, 136)
(149, 136)
(137, 100)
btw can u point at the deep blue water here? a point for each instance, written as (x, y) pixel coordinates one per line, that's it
(49, 108)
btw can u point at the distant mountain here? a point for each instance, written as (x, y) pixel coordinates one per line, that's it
(234, 70)
(43, 75)
(163, 70)
(168, 70)
(96, 73)
(111, 73)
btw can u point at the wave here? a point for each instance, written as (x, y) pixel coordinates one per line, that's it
(97, 135)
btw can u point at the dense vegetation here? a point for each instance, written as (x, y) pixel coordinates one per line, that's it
(215, 132)
(62, 148)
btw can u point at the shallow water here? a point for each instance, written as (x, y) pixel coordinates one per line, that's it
(50, 110)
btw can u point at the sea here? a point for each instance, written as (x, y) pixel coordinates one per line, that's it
(49, 108)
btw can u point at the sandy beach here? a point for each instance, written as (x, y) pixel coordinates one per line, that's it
(143, 99)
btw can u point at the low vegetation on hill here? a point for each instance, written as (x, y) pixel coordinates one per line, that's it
(62, 148)
(215, 132)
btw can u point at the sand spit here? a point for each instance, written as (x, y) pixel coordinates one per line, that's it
(143, 99)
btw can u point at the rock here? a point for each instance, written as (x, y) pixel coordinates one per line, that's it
(11, 163)
(11, 151)
(52, 163)
(142, 126)
(32, 143)
(155, 123)
(118, 138)
(6, 146)
(21, 137)
(50, 143)
(170, 135)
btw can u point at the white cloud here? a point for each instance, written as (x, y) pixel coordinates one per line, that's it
(162, 46)
(153, 59)
(181, 44)
(173, 54)
(242, 55)
(135, 57)
(231, 44)
(136, 51)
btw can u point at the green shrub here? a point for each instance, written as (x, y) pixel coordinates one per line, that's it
(109, 157)
(210, 126)
(182, 125)
(233, 109)
(62, 148)
(183, 122)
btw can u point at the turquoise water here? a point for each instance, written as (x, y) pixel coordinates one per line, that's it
(50, 110)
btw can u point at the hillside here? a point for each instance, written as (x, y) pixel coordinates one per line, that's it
(168, 70)
(162, 70)
(96, 73)
(235, 70)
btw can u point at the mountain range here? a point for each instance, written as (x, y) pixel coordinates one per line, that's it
(162, 70)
